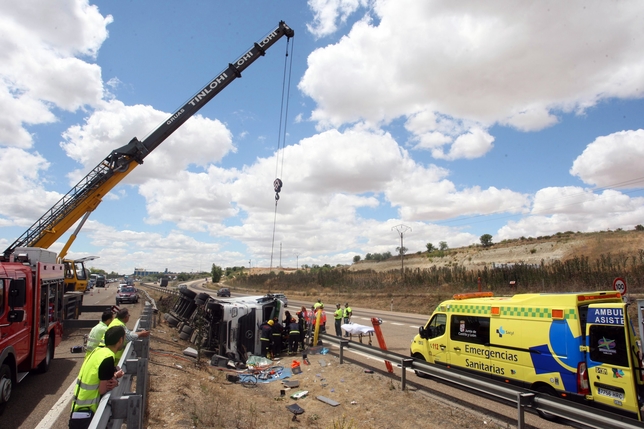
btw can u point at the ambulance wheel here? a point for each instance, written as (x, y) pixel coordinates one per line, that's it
(5, 385)
(547, 390)
(420, 358)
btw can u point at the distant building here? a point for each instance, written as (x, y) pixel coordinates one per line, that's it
(142, 272)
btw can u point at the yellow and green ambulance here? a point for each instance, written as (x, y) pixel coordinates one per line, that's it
(580, 346)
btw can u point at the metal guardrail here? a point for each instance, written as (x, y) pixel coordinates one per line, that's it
(523, 398)
(120, 405)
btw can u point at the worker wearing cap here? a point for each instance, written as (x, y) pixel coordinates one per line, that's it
(318, 304)
(265, 331)
(337, 315)
(347, 316)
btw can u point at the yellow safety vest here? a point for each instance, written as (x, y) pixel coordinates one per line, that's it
(86, 394)
(338, 314)
(119, 353)
(347, 310)
(95, 337)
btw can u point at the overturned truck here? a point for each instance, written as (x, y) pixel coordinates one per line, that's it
(223, 326)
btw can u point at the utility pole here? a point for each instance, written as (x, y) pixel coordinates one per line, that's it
(297, 262)
(249, 266)
(401, 230)
(280, 255)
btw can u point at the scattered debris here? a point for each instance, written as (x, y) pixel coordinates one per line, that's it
(190, 352)
(322, 363)
(296, 410)
(368, 371)
(328, 401)
(299, 394)
(291, 384)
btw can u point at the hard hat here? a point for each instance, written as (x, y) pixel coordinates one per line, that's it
(270, 322)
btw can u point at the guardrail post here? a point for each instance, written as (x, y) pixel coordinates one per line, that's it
(343, 343)
(135, 411)
(523, 400)
(405, 363)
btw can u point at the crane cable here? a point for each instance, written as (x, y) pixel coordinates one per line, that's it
(281, 139)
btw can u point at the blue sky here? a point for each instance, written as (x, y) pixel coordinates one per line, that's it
(455, 119)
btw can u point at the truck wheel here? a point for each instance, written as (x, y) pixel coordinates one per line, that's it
(184, 336)
(187, 329)
(202, 298)
(419, 373)
(44, 365)
(5, 384)
(190, 294)
(551, 392)
(172, 321)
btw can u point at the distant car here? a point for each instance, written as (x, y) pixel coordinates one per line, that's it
(224, 291)
(127, 294)
(282, 298)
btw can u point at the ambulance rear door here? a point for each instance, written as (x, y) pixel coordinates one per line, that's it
(611, 364)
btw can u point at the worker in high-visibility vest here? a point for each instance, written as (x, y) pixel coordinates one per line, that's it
(337, 316)
(318, 304)
(347, 316)
(122, 317)
(265, 332)
(277, 337)
(98, 374)
(95, 337)
(293, 336)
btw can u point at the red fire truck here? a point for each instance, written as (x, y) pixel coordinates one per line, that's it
(31, 295)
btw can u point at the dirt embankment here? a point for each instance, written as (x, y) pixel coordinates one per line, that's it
(558, 247)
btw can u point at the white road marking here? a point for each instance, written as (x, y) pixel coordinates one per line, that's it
(62, 405)
(397, 324)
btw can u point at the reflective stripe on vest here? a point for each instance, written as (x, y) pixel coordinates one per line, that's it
(119, 353)
(86, 393)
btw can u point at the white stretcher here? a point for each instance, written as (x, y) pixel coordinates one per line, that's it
(359, 331)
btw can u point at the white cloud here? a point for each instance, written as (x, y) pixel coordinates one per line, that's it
(613, 161)
(24, 194)
(39, 48)
(200, 141)
(327, 13)
(486, 62)
(474, 144)
(576, 209)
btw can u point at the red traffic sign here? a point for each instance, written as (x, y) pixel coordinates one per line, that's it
(619, 285)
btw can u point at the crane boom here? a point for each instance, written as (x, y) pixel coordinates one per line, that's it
(90, 190)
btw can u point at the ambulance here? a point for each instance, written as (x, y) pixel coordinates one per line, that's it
(580, 346)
